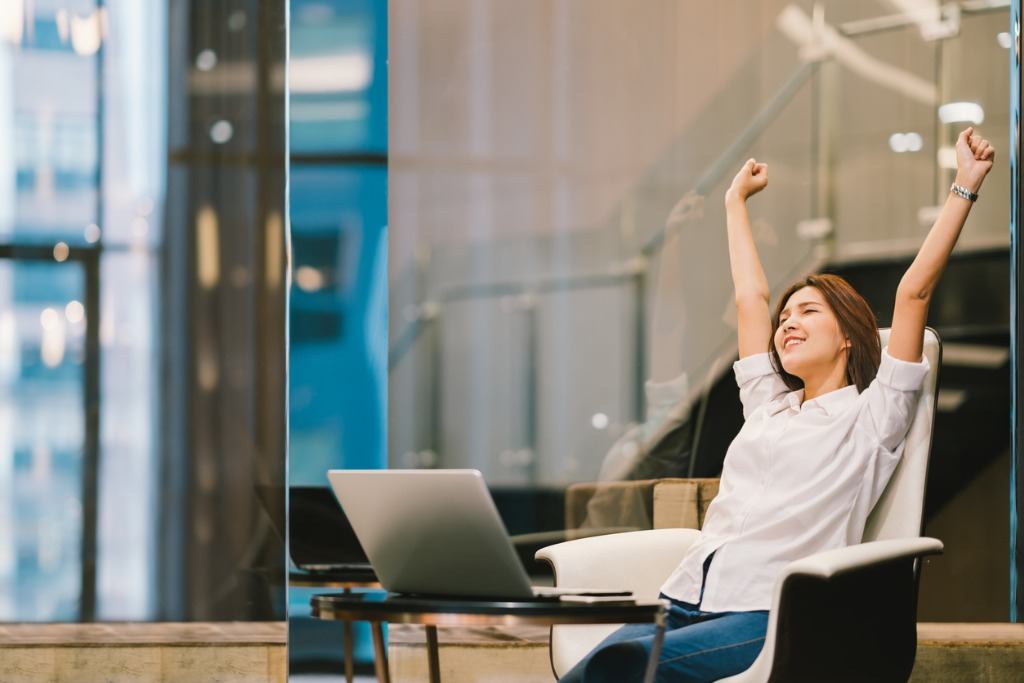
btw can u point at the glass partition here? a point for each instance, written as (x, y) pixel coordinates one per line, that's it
(561, 311)
(545, 230)
(1016, 287)
(338, 101)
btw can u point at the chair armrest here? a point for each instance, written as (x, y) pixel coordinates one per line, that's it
(832, 562)
(639, 561)
(527, 545)
(856, 599)
(548, 538)
(851, 560)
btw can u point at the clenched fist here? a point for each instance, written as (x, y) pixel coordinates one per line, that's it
(974, 157)
(750, 180)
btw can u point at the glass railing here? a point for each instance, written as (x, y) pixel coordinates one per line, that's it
(570, 322)
(561, 304)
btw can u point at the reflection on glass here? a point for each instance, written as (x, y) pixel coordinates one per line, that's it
(337, 376)
(560, 306)
(96, 524)
(337, 316)
(337, 76)
(42, 347)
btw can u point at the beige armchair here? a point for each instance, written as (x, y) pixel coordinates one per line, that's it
(647, 504)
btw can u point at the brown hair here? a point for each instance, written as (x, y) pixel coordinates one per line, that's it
(857, 322)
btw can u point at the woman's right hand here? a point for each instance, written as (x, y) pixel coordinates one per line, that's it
(750, 180)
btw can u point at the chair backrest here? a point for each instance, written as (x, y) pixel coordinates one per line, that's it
(899, 512)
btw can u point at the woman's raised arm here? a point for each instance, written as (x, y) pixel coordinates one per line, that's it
(974, 157)
(754, 323)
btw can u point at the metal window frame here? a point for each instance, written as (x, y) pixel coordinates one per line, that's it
(1016, 324)
(89, 259)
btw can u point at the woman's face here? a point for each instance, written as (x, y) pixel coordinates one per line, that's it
(808, 338)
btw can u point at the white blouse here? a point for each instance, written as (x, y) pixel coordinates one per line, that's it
(800, 477)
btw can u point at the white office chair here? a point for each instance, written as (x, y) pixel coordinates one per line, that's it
(841, 615)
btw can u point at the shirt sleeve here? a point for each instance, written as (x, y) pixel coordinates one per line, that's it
(758, 382)
(891, 399)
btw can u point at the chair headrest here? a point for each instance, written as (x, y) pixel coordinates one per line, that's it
(899, 511)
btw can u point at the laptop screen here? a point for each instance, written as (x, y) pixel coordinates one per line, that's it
(319, 532)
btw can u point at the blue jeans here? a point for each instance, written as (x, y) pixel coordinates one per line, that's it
(698, 646)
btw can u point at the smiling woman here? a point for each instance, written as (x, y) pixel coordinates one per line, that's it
(556, 233)
(826, 414)
(825, 310)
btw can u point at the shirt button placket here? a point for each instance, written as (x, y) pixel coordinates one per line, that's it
(772, 440)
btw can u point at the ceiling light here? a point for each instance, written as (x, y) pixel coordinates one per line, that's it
(206, 60)
(905, 142)
(962, 112)
(221, 131)
(74, 312)
(87, 33)
(48, 318)
(347, 72)
(897, 143)
(309, 279)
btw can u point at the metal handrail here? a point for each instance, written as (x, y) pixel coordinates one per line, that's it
(427, 313)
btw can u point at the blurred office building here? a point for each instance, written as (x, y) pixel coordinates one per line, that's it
(142, 299)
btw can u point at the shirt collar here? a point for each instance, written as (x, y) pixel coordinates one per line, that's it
(832, 403)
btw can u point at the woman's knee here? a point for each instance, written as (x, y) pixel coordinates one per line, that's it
(617, 662)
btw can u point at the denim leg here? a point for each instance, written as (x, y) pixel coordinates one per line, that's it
(722, 645)
(699, 647)
(628, 632)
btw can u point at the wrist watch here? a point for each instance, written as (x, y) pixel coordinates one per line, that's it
(961, 191)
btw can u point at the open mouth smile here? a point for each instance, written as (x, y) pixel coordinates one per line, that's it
(791, 341)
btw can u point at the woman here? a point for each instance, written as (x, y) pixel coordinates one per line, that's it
(826, 411)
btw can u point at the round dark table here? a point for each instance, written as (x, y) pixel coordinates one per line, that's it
(433, 612)
(348, 579)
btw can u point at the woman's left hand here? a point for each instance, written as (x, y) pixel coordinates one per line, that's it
(974, 157)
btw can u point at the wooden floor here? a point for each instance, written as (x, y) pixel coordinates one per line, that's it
(255, 652)
(971, 634)
(992, 653)
(143, 653)
(166, 633)
(946, 653)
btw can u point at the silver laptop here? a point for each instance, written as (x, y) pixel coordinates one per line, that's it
(436, 532)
